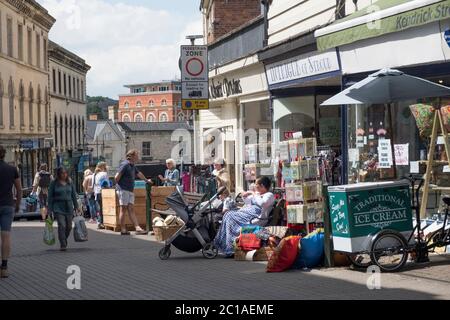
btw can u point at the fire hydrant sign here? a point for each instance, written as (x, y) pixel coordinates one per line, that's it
(194, 77)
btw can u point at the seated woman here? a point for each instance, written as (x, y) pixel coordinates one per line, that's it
(256, 211)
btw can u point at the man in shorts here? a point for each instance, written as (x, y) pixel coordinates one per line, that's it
(125, 190)
(10, 178)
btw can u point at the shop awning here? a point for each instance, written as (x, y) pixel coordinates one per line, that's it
(383, 17)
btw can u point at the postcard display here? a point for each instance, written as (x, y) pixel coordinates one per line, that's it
(301, 181)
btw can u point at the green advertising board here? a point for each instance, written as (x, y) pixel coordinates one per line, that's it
(395, 23)
(360, 211)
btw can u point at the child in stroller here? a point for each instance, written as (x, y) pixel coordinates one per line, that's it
(198, 230)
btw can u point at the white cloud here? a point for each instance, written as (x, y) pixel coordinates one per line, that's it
(123, 43)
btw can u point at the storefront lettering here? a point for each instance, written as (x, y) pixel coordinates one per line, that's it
(226, 87)
(378, 198)
(380, 216)
(298, 68)
(422, 16)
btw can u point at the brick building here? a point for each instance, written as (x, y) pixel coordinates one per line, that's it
(223, 16)
(152, 102)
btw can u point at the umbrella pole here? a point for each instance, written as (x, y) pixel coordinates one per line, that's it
(392, 139)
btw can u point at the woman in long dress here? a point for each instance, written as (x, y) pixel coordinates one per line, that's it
(256, 211)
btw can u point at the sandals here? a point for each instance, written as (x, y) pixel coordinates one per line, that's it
(126, 233)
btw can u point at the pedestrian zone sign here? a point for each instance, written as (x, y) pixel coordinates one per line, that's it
(194, 77)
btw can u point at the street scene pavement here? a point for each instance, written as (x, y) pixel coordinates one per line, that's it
(127, 267)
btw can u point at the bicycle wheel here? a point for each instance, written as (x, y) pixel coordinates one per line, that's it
(389, 251)
(360, 260)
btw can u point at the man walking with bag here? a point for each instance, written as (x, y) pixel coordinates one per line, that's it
(125, 190)
(10, 178)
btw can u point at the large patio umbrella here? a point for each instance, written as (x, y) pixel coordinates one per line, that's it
(385, 87)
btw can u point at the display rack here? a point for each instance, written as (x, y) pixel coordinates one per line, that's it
(438, 123)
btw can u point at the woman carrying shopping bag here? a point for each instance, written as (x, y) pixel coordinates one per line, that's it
(62, 202)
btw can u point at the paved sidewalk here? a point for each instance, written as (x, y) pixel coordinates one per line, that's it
(118, 267)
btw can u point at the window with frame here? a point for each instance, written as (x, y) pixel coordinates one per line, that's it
(146, 148)
(126, 105)
(30, 47)
(150, 117)
(163, 117)
(138, 118)
(59, 82)
(138, 104)
(9, 40)
(38, 51)
(20, 40)
(54, 80)
(164, 102)
(151, 103)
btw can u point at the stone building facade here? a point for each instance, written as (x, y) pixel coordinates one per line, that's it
(68, 102)
(25, 128)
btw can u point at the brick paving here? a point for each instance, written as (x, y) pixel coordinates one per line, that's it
(117, 267)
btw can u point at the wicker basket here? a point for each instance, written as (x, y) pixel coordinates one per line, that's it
(164, 233)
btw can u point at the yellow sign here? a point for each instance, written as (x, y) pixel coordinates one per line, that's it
(195, 104)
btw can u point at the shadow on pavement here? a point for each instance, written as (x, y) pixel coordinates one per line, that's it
(115, 267)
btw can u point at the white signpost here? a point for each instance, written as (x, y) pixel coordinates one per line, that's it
(194, 77)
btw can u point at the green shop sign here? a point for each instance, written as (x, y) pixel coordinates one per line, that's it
(365, 212)
(413, 18)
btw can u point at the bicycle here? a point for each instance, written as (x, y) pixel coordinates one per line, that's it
(389, 249)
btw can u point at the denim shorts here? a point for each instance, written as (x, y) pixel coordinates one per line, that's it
(6, 218)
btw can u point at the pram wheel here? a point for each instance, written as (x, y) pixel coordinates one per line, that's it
(210, 251)
(164, 253)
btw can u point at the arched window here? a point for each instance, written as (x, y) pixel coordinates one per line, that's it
(180, 117)
(70, 131)
(11, 102)
(39, 107)
(138, 104)
(126, 118)
(30, 106)
(163, 102)
(1, 101)
(21, 106)
(61, 127)
(163, 117)
(46, 113)
(150, 117)
(151, 103)
(66, 132)
(138, 118)
(56, 131)
(126, 105)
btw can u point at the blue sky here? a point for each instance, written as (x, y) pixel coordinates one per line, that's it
(124, 41)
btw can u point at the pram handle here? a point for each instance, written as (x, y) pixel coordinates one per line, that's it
(208, 204)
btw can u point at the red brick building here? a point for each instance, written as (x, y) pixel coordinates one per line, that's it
(152, 102)
(223, 16)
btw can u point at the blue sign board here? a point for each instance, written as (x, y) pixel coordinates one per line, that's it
(447, 36)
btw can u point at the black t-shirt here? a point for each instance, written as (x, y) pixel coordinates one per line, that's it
(8, 174)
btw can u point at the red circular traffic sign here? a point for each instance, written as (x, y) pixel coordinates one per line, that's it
(194, 67)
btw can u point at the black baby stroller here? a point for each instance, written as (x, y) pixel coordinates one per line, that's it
(198, 230)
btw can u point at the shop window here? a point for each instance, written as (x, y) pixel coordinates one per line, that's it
(370, 137)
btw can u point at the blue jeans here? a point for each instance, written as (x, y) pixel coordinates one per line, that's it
(99, 205)
(6, 218)
(92, 207)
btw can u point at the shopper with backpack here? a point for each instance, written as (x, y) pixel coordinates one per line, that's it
(88, 189)
(100, 180)
(41, 184)
(62, 203)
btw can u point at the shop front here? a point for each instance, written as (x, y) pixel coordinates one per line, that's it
(416, 46)
(239, 114)
(298, 84)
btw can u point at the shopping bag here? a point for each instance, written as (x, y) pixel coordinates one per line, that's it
(80, 233)
(249, 241)
(49, 235)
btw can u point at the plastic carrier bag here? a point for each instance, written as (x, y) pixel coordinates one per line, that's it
(49, 235)
(80, 233)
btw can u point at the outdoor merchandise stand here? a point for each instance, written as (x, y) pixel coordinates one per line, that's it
(111, 208)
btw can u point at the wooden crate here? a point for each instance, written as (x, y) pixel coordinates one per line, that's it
(111, 209)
